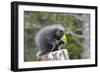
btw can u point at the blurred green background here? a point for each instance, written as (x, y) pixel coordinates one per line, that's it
(74, 26)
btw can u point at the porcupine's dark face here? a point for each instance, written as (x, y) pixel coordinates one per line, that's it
(59, 33)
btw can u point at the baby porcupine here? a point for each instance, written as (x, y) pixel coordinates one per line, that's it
(47, 37)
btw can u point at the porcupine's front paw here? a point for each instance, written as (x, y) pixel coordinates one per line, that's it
(61, 42)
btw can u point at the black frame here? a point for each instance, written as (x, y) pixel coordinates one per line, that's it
(14, 35)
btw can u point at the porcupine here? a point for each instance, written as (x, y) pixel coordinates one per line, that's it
(47, 37)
